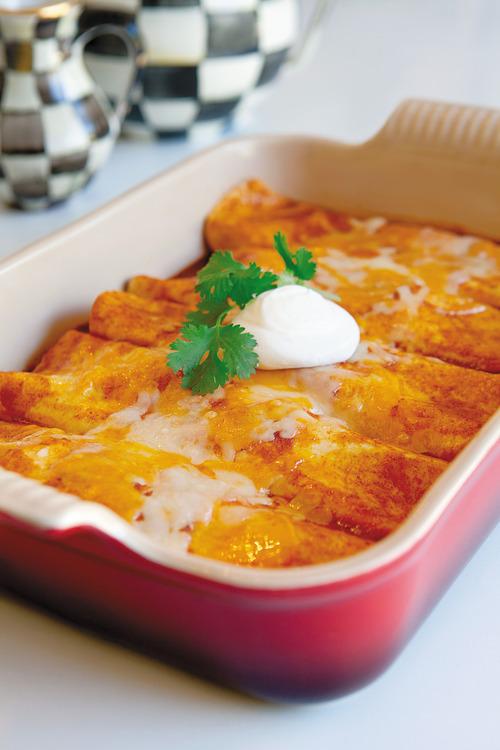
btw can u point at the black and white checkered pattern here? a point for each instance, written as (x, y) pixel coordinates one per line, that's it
(56, 126)
(201, 57)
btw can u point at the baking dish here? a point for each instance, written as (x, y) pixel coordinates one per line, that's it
(296, 634)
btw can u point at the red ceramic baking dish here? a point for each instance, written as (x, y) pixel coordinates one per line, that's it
(293, 634)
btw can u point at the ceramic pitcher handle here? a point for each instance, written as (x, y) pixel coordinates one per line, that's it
(102, 29)
(321, 10)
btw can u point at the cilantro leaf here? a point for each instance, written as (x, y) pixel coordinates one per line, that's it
(224, 277)
(215, 279)
(197, 355)
(300, 263)
(210, 356)
(208, 312)
(281, 245)
(207, 376)
(238, 351)
(250, 283)
(186, 352)
(305, 266)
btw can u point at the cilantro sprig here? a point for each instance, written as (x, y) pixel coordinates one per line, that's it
(299, 264)
(209, 351)
(209, 356)
(224, 277)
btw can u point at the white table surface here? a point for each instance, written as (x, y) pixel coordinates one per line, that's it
(62, 688)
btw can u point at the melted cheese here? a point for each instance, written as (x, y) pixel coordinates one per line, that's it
(186, 435)
(372, 351)
(454, 244)
(371, 225)
(132, 414)
(183, 496)
(406, 300)
(286, 427)
(338, 455)
(455, 280)
(355, 269)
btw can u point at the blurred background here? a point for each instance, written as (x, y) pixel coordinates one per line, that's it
(369, 56)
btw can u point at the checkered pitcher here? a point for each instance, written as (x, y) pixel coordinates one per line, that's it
(202, 61)
(57, 127)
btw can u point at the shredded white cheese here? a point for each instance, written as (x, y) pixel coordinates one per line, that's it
(184, 434)
(261, 393)
(373, 351)
(479, 266)
(411, 300)
(228, 451)
(129, 415)
(90, 448)
(354, 269)
(370, 225)
(461, 311)
(286, 427)
(323, 443)
(458, 245)
(406, 301)
(455, 280)
(232, 515)
(182, 496)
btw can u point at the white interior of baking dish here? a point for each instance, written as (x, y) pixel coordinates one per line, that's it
(431, 162)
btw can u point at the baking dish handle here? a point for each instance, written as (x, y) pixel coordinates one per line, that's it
(443, 129)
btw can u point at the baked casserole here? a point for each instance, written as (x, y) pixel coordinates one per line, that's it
(288, 467)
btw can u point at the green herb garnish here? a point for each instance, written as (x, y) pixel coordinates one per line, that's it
(210, 352)
(299, 264)
(209, 356)
(224, 277)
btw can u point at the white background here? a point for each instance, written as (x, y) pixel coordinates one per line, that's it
(62, 688)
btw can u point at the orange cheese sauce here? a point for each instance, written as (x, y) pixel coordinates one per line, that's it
(291, 467)
(417, 288)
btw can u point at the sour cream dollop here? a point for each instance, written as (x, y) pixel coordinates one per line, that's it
(294, 326)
